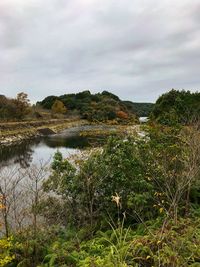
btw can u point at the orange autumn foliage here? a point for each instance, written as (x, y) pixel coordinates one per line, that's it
(122, 115)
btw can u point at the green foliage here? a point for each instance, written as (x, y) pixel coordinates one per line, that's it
(178, 245)
(151, 175)
(141, 109)
(136, 179)
(175, 153)
(176, 107)
(29, 249)
(94, 107)
(105, 249)
(134, 202)
(48, 102)
(88, 188)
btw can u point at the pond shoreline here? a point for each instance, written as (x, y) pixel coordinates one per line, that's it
(13, 133)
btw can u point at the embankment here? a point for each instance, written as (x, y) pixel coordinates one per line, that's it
(16, 132)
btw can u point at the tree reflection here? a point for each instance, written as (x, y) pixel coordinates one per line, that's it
(18, 154)
(67, 141)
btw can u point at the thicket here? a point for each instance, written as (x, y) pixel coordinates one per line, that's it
(176, 107)
(133, 202)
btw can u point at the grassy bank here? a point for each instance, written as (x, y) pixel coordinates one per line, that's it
(14, 132)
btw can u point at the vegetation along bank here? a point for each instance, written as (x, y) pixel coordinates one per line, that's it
(134, 202)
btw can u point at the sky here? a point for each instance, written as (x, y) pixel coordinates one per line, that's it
(137, 49)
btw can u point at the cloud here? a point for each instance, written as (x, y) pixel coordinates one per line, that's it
(137, 49)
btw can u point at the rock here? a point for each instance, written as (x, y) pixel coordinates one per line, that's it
(45, 131)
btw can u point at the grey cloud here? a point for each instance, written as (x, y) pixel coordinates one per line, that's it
(134, 48)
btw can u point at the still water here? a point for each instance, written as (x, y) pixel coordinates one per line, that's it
(69, 142)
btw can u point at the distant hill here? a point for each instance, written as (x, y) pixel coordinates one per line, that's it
(140, 109)
(100, 106)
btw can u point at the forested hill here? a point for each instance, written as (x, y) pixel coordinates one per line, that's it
(141, 109)
(98, 106)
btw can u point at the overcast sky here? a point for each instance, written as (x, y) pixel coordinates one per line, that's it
(137, 49)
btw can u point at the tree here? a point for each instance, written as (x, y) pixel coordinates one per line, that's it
(23, 104)
(174, 167)
(8, 196)
(191, 138)
(176, 107)
(10, 192)
(8, 109)
(58, 107)
(36, 174)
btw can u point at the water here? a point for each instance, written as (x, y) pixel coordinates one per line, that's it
(33, 152)
(24, 168)
(143, 119)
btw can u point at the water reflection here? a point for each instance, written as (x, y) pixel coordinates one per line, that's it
(17, 154)
(66, 141)
(28, 153)
(32, 152)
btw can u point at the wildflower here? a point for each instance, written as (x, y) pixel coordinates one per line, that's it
(116, 199)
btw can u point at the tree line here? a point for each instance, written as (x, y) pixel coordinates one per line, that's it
(93, 107)
(173, 107)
